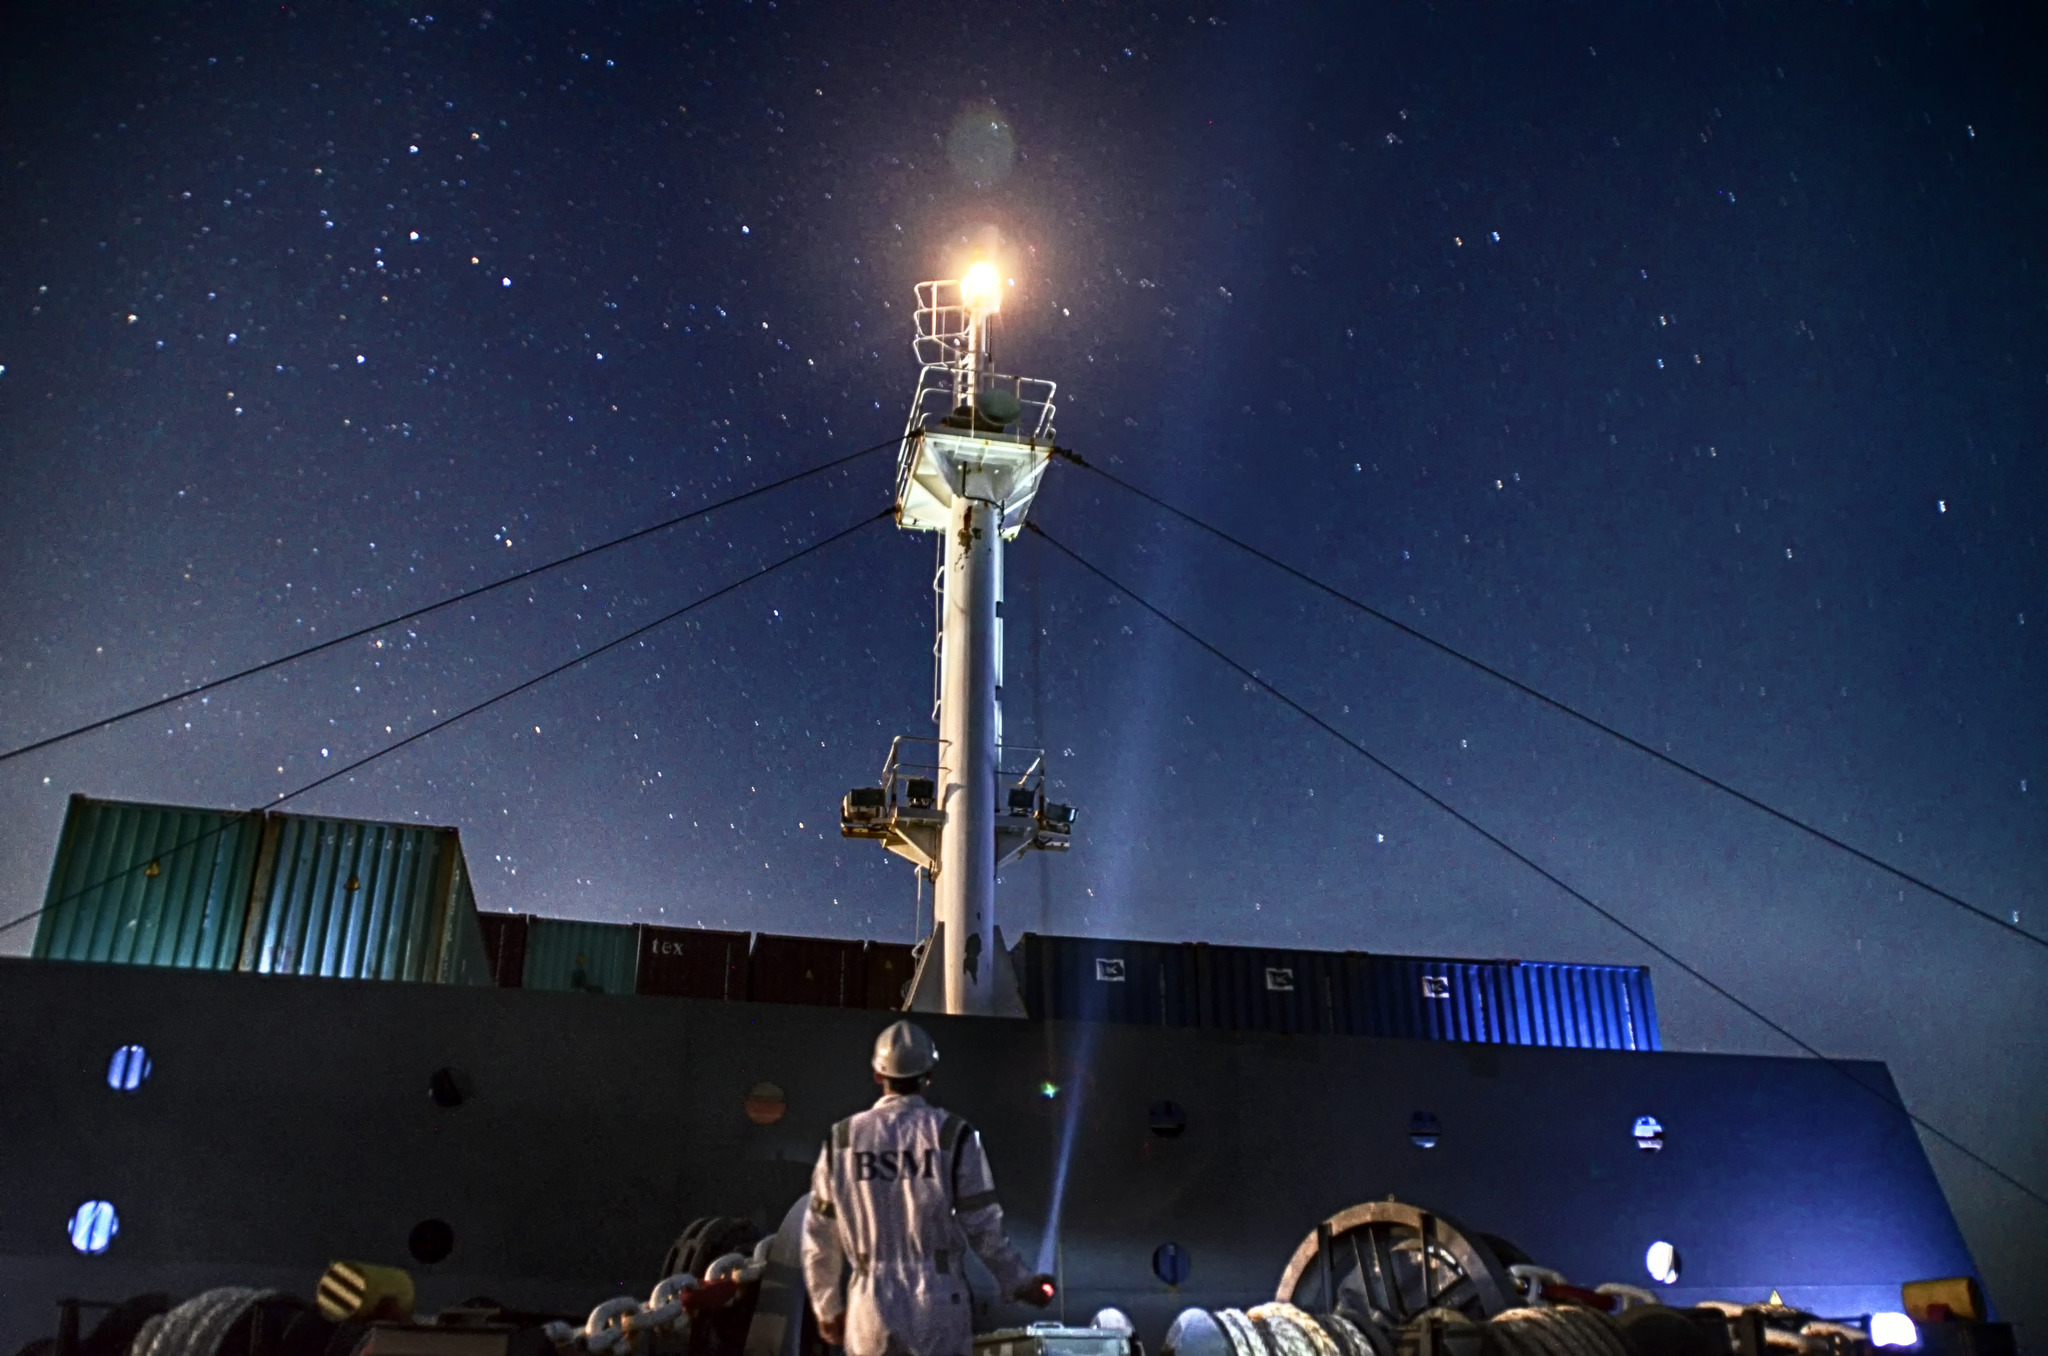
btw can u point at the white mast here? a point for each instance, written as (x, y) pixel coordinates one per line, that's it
(974, 450)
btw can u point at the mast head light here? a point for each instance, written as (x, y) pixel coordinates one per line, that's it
(981, 291)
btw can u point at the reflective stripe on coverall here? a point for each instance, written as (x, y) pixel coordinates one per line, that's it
(900, 1192)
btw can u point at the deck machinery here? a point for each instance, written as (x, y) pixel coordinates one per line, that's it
(975, 448)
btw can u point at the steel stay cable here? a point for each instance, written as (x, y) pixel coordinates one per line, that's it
(210, 684)
(1501, 843)
(444, 723)
(1868, 859)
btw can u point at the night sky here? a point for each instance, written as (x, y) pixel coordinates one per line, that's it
(1687, 362)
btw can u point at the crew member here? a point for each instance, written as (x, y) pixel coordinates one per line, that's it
(901, 1191)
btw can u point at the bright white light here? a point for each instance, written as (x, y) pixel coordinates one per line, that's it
(1661, 1261)
(982, 288)
(1893, 1330)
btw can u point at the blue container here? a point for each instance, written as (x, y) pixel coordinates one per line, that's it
(1241, 988)
(1258, 989)
(1596, 1007)
(1103, 980)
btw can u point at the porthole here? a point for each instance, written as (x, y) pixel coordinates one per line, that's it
(766, 1103)
(1424, 1130)
(448, 1087)
(1167, 1120)
(430, 1241)
(129, 1069)
(1170, 1263)
(92, 1226)
(1661, 1261)
(1649, 1134)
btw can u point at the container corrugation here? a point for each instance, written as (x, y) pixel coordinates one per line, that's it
(505, 945)
(1260, 989)
(1602, 1007)
(818, 971)
(1431, 999)
(149, 885)
(571, 957)
(1107, 980)
(349, 899)
(1598, 1007)
(463, 957)
(890, 967)
(693, 963)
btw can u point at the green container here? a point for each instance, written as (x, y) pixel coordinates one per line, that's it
(464, 959)
(271, 893)
(149, 885)
(349, 899)
(574, 957)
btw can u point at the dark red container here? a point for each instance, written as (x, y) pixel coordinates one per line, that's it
(693, 963)
(505, 944)
(890, 966)
(819, 971)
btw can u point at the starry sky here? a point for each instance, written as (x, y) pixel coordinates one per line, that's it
(1686, 362)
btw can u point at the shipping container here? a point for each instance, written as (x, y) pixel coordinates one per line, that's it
(349, 899)
(693, 963)
(819, 971)
(271, 893)
(1248, 988)
(466, 962)
(1092, 979)
(505, 947)
(1427, 999)
(149, 885)
(572, 957)
(890, 968)
(1599, 1007)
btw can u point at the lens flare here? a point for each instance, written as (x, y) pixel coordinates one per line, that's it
(982, 288)
(1049, 1242)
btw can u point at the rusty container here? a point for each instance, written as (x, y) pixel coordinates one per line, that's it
(817, 971)
(505, 946)
(890, 968)
(693, 963)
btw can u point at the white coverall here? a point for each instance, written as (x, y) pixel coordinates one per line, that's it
(901, 1190)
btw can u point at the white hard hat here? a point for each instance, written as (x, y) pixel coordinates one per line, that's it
(904, 1050)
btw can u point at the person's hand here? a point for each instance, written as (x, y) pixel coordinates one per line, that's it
(1038, 1291)
(833, 1330)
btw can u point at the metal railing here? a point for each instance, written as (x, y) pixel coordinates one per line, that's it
(947, 378)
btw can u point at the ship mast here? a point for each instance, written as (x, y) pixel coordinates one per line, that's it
(974, 451)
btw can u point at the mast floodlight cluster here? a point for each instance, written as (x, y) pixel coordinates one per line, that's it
(975, 449)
